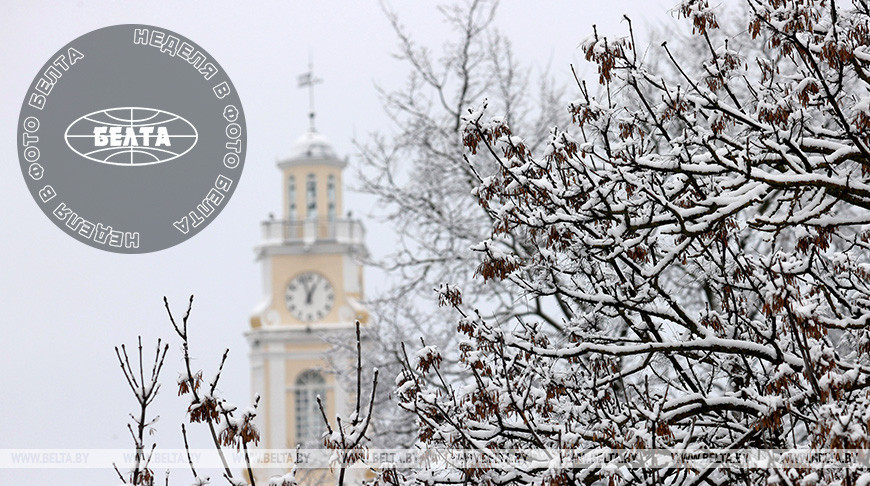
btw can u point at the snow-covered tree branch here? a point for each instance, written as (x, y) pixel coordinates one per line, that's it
(706, 228)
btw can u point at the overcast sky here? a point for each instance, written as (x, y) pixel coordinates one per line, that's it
(65, 305)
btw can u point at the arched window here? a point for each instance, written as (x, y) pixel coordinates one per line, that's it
(309, 423)
(311, 197)
(330, 195)
(291, 197)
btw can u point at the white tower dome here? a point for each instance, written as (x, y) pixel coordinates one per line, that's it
(312, 145)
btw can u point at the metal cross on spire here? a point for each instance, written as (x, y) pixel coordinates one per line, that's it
(308, 80)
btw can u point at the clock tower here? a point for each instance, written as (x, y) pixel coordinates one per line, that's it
(312, 288)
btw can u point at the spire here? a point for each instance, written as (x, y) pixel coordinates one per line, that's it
(308, 80)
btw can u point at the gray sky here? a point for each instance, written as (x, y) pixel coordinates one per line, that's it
(65, 305)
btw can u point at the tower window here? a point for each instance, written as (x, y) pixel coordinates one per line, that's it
(330, 195)
(309, 385)
(291, 197)
(311, 196)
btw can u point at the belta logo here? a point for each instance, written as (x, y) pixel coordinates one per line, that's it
(131, 136)
(143, 161)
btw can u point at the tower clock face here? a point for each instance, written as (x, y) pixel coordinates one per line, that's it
(309, 296)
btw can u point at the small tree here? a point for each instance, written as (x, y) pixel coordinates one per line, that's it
(708, 234)
(228, 426)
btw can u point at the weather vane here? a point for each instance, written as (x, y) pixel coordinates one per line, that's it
(308, 79)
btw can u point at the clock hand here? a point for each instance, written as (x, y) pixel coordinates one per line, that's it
(310, 293)
(305, 286)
